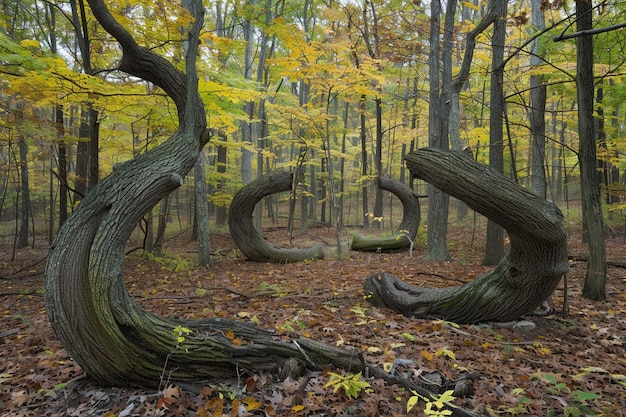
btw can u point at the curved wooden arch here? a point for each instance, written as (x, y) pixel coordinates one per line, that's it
(247, 237)
(406, 231)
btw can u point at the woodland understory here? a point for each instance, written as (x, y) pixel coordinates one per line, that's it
(565, 364)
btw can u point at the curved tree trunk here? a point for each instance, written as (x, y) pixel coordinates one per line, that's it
(247, 237)
(407, 230)
(522, 280)
(102, 328)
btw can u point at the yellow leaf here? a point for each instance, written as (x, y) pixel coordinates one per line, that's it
(297, 408)
(251, 403)
(427, 355)
(446, 353)
(29, 43)
(543, 351)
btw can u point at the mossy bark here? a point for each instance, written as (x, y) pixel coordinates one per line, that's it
(247, 238)
(100, 325)
(405, 234)
(522, 280)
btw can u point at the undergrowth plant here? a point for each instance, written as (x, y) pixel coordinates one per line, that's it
(435, 407)
(351, 384)
(575, 403)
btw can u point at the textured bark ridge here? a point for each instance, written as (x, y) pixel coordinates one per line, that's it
(247, 238)
(407, 230)
(522, 280)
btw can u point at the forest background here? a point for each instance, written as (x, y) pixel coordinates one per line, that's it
(337, 92)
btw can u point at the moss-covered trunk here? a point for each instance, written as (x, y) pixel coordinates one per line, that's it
(522, 280)
(247, 238)
(404, 236)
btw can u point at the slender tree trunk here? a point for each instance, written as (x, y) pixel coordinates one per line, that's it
(62, 164)
(82, 157)
(22, 237)
(94, 148)
(437, 221)
(202, 213)
(378, 162)
(364, 170)
(494, 249)
(538, 94)
(595, 279)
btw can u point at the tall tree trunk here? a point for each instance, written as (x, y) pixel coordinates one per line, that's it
(538, 94)
(62, 164)
(202, 213)
(94, 148)
(22, 237)
(595, 279)
(378, 161)
(494, 249)
(364, 170)
(82, 157)
(437, 221)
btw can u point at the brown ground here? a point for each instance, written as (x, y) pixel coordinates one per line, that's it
(565, 364)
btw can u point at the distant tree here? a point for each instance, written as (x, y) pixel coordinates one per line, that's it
(25, 210)
(595, 279)
(438, 201)
(494, 248)
(538, 93)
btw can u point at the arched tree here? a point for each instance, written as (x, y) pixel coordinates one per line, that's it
(522, 280)
(100, 325)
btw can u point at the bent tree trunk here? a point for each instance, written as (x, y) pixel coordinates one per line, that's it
(403, 237)
(100, 325)
(247, 238)
(522, 280)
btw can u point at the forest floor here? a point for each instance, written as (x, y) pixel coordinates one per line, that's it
(565, 365)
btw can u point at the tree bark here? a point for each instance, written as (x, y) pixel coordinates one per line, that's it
(494, 248)
(100, 325)
(522, 280)
(538, 97)
(438, 202)
(22, 237)
(403, 237)
(247, 238)
(593, 226)
(202, 213)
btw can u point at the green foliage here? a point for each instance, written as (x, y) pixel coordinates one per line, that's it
(578, 403)
(434, 406)
(351, 384)
(181, 333)
(171, 262)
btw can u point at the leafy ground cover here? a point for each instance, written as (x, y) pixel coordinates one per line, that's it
(565, 365)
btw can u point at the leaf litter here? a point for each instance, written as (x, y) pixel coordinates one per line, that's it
(560, 365)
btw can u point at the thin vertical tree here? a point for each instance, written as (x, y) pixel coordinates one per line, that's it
(595, 279)
(538, 94)
(437, 221)
(494, 248)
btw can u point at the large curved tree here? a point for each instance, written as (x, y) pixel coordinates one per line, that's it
(100, 325)
(522, 280)
(247, 238)
(405, 234)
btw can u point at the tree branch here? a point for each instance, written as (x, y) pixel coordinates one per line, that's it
(563, 37)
